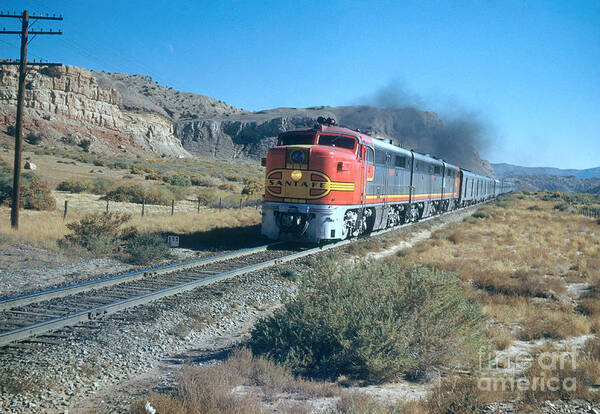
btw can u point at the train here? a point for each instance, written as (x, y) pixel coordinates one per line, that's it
(329, 183)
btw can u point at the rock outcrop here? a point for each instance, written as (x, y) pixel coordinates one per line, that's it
(67, 101)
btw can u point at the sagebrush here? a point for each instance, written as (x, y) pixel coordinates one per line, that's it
(99, 186)
(147, 248)
(100, 233)
(374, 321)
(35, 194)
(138, 193)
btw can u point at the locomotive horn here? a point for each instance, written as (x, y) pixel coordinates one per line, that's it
(325, 121)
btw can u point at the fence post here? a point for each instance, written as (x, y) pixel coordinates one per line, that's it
(107, 205)
(143, 206)
(240, 203)
(198, 204)
(66, 207)
(220, 203)
(172, 207)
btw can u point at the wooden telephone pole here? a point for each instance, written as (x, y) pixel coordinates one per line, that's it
(24, 32)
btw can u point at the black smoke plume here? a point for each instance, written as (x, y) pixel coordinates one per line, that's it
(460, 129)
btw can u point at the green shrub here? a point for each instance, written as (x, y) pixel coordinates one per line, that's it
(205, 181)
(154, 176)
(101, 245)
(69, 139)
(181, 180)
(147, 248)
(99, 186)
(99, 233)
(253, 186)
(102, 186)
(561, 207)
(99, 163)
(136, 170)
(121, 165)
(208, 197)
(290, 274)
(138, 193)
(74, 185)
(85, 145)
(178, 192)
(227, 187)
(11, 130)
(481, 214)
(504, 202)
(33, 139)
(35, 195)
(374, 321)
(534, 207)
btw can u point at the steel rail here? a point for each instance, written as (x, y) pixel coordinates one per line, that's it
(104, 310)
(62, 291)
(51, 324)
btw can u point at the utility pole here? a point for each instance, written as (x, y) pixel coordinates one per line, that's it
(24, 33)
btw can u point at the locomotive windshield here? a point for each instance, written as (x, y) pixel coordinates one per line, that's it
(337, 141)
(296, 139)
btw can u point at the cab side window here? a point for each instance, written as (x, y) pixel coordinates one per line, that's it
(369, 157)
(380, 157)
(400, 162)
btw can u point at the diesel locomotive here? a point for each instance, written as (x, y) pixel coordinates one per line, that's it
(331, 183)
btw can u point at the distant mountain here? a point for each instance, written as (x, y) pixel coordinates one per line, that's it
(508, 170)
(569, 184)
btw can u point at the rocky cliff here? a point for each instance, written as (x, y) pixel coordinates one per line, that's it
(117, 111)
(67, 103)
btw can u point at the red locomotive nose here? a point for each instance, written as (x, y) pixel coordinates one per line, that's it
(331, 160)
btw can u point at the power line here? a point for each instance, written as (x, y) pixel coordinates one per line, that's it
(22, 63)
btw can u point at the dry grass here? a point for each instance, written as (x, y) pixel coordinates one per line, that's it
(44, 229)
(518, 257)
(358, 403)
(517, 264)
(501, 336)
(574, 376)
(454, 394)
(461, 395)
(241, 384)
(589, 303)
(246, 384)
(517, 243)
(554, 323)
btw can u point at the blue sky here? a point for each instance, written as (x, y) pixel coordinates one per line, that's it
(530, 69)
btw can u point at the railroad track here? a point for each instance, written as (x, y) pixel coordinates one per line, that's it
(29, 315)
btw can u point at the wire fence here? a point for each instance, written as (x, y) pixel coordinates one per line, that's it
(589, 212)
(81, 204)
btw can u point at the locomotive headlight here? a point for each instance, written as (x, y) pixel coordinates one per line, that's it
(296, 175)
(298, 157)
